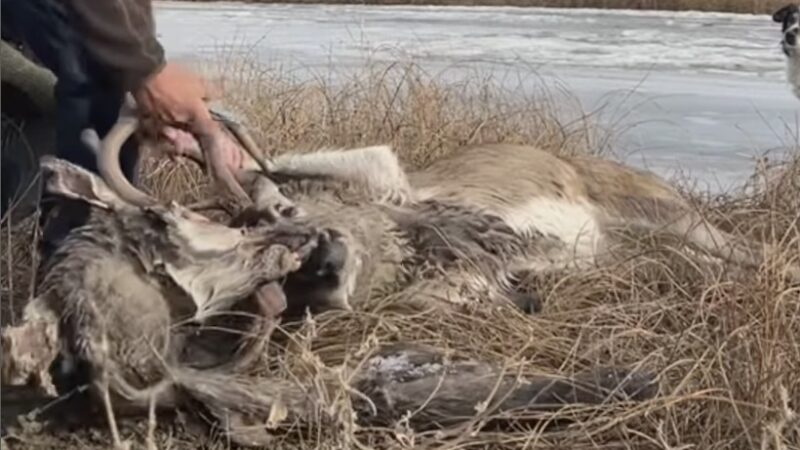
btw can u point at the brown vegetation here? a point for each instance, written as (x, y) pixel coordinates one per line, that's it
(725, 342)
(734, 6)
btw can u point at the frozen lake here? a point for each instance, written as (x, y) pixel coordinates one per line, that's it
(697, 92)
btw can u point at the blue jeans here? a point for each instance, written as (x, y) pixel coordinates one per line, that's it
(86, 97)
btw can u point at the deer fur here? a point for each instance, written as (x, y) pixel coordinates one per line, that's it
(129, 295)
(476, 219)
(119, 293)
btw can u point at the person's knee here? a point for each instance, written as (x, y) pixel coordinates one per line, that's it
(43, 29)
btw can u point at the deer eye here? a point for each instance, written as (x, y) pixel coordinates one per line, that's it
(288, 211)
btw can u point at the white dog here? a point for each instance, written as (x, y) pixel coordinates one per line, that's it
(789, 18)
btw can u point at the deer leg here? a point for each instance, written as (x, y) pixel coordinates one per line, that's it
(443, 391)
(377, 168)
(102, 384)
(739, 250)
(112, 421)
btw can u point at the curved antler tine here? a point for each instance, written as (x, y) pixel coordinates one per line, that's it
(249, 144)
(128, 122)
(245, 139)
(107, 157)
(211, 143)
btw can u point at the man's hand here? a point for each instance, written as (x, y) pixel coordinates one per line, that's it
(176, 98)
(184, 144)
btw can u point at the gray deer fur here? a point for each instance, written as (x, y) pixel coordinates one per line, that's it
(121, 292)
(461, 229)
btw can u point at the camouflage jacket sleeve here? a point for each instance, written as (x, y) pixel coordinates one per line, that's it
(120, 36)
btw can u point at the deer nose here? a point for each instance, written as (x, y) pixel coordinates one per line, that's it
(333, 258)
(329, 257)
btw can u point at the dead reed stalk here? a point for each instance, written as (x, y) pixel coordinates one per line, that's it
(726, 343)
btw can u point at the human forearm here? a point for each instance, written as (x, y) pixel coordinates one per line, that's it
(120, 36)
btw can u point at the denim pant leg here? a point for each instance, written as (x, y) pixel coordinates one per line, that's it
(85, 96)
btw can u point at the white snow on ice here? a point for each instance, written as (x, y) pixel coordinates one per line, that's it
(703, 93)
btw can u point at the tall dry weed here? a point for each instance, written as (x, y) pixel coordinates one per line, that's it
(725, 342)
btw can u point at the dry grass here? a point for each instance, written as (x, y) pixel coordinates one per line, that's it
(726, 343)
(734, 6)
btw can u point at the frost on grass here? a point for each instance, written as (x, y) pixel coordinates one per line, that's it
(399, 368)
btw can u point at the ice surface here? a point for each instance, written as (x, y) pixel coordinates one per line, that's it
(700, 93)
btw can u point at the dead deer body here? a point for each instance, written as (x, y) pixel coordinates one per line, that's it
(137, 293)
(476, 218)
(119, 291)
(464, 227)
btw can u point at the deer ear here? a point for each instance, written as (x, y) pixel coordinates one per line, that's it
(65, 179)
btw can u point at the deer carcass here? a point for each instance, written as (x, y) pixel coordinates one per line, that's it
(462, 228)
(120, 293)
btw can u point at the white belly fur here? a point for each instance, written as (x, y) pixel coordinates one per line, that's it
(572, 223)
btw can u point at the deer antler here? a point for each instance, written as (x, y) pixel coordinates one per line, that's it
(267, 201)
(107, 156)
(246, 141)
(210, 144)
